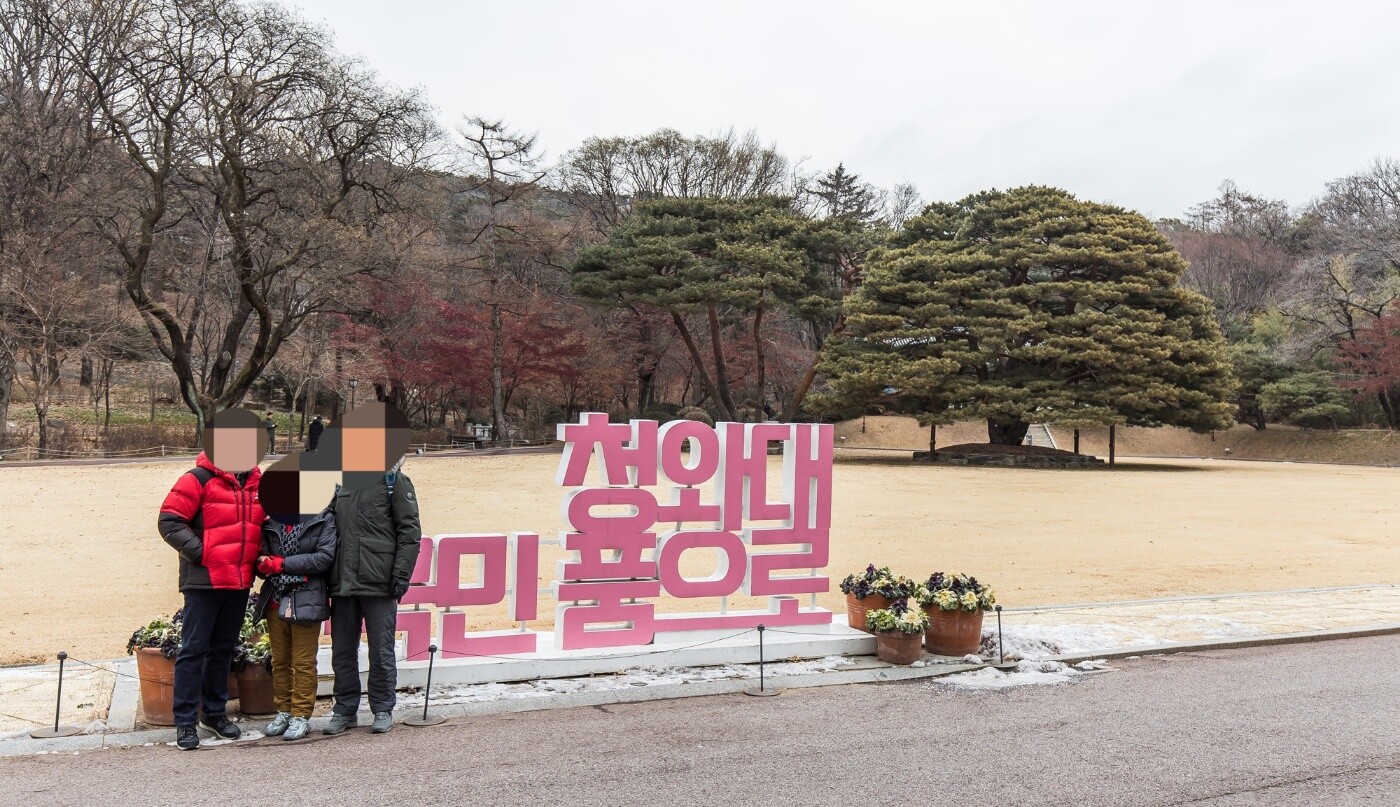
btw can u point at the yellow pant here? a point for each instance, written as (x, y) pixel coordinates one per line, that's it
(293, 664)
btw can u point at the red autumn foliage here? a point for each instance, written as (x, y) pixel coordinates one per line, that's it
(1373, 357)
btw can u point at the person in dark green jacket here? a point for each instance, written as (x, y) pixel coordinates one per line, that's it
(376, 516)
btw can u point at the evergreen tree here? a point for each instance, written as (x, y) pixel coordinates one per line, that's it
(1031, 305)
(843, 196)
(721, 261)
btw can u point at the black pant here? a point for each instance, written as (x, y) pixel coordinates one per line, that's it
(212, 621)
(379, 618)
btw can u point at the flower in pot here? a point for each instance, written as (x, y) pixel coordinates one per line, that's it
(871, 590)
(954, 604)
(898, 632)
(252, 665)
(155, 646)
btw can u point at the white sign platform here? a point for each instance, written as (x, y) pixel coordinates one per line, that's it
(689, 649)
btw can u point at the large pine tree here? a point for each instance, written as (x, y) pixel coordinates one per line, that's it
(1030, 305)
(712, 265)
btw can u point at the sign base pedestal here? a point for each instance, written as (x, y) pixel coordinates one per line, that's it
(61, 731)
(420, 722)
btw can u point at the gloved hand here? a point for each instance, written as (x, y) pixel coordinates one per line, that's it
(270, 565)
(400, 589)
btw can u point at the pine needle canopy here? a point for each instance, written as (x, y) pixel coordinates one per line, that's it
(1030, 305)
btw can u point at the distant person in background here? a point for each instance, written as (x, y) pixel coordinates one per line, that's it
(213, 518)
(271, 426)
(313, 433)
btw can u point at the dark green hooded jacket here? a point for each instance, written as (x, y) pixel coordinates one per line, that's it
(378, 539)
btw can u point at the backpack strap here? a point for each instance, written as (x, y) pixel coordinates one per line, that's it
(389, 482)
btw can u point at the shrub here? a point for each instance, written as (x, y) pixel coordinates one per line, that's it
(150, 435)
(879, 581)
(662, 412)
(955, 592)
(697, 414)
(899, 617)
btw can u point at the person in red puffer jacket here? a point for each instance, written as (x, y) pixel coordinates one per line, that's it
(213, 518)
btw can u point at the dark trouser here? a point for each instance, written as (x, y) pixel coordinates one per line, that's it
(379, 618)
(211, 623)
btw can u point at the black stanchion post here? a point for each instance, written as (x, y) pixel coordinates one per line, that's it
(427, 719)
(57, 730)
(763, 690)
(1001, 653)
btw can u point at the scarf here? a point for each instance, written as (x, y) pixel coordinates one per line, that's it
(289, 539)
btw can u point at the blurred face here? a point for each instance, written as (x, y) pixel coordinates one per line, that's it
(363, 449)
(315, 489)
(235, 449)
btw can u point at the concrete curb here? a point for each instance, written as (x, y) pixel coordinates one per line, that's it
(1234, 643)
(867, 671)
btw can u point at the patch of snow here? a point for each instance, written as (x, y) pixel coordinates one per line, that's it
(95, 727)
(635, 677)
(1092, 665)
(1027, 673)
(1214, 627)
(1033, 641)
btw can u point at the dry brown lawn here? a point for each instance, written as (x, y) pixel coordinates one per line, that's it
(82, 564)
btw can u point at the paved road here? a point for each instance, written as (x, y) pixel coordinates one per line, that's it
(1299, 724)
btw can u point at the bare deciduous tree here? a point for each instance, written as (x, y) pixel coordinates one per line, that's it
(606, 175)
(260, 167)
(497, 226)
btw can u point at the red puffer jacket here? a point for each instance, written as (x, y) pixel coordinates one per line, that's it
(215, 522)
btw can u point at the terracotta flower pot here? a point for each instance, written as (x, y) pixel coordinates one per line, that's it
(157, 686)
(255, 690)
(855, 609)
(898, 648)
(952, 633)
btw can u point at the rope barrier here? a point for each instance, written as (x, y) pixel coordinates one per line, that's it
(460, 654)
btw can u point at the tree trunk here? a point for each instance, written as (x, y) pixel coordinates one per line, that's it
(1392, 417)
(85, 372)
(726, 399)
(698, 363)
(1006, 432)
(1076, 441)
(760, 362)
(646, 389)
(932, 439)
(498, 400)
(7, 380)
(107, 401)
(1112, 444)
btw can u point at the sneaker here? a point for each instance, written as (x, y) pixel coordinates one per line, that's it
(339, 723)
(383, 721)
(186, 738)
(296, 728)
(278, 725)
(223, 727)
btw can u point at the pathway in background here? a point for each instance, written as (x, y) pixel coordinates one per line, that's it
(1289, 725)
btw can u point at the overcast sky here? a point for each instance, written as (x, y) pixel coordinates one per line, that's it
(1149, 105)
